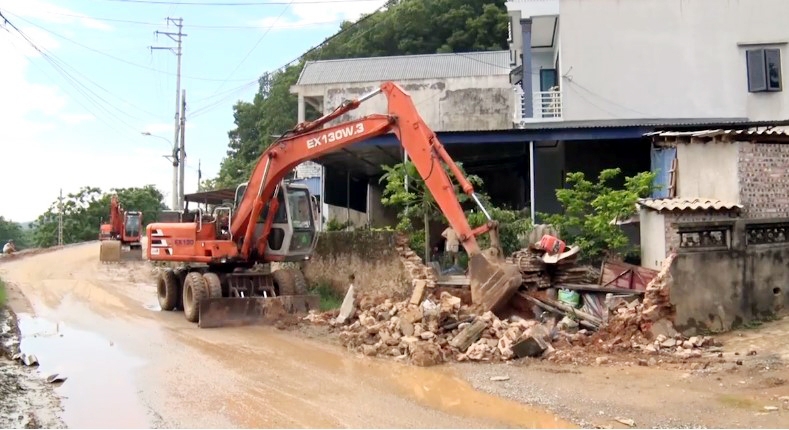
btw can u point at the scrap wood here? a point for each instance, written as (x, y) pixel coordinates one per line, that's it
(585, 319)
(468, 335)
(597, 288)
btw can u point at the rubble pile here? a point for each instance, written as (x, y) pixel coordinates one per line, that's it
(413, 264)
(532, 268)
(435, 331)
(648, 326)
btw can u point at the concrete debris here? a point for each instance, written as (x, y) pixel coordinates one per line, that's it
(770, 408)
(626, 421)
(348, 306)
(56, 377)
(499, 378)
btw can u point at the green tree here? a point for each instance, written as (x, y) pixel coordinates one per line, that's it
(592, 209)
(417, 202)
(85, 210)
(513, 225)
(10, 230)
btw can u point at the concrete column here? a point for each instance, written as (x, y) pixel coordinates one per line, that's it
(526, 84)
(302, 108)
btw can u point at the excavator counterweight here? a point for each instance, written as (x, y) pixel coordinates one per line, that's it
(228, 275)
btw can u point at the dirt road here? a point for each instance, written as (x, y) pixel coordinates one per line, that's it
(131, 365)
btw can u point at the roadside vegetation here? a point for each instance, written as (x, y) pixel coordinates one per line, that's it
(2, 293)
(330, 298)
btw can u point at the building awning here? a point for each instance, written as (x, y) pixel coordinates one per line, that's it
(215, 197)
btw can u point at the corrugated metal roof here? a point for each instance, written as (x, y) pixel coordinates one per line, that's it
(406, 67)
(684, 204)
(755, 132)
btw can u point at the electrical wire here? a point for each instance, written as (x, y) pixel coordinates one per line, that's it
(141, 66)
(212, 105)
(254, 3)
(204, 26)
(85, 91)
(265, 33)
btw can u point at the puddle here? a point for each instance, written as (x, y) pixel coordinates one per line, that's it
(152, 307)
(99, 391)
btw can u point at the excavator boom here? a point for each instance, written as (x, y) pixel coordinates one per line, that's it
(262, 225)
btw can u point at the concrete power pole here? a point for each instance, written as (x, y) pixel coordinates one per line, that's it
(60, 218)
(182, 152)
(199, 175)
(177, 37)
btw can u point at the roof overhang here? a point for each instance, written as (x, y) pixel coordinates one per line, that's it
(214, 197)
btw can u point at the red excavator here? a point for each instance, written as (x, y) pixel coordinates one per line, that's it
(120, 238)
(225, 275)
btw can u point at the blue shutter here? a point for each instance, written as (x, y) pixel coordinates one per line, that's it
(660, 160)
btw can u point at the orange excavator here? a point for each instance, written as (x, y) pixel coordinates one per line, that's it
(120, 238)
(225, 275)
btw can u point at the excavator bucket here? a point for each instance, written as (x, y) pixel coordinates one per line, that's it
(241, 311)
(113, 251)
(110, 251)
(493, 281)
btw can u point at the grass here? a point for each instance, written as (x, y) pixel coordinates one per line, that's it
(330, 299)
(2, 293)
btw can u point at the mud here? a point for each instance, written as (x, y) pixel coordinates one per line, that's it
(166, 372)
(26, 400)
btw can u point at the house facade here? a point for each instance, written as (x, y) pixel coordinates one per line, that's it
(725, 212)
(686, 60)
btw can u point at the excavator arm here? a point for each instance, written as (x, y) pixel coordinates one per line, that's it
(492, 281)
(309, 141)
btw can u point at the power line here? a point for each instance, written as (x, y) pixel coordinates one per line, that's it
(54, 62)
(254, 46)
(205, 26)
(141, 66)
(255, 3)
(216, 103)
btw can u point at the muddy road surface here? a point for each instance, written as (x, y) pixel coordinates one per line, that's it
(131, 365)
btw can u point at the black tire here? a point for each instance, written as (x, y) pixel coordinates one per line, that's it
(195, 290)
(167, 289)
(289, 282)
(180, 273)
(213, 284)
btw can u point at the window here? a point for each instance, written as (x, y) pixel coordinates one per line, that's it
(764, 70)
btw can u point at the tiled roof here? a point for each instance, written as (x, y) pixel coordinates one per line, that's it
(405, 67)
(684, 204)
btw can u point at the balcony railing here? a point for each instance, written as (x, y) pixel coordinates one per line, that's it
(546, 106)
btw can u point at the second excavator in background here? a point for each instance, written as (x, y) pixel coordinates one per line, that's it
(225, 275)
(120, 237)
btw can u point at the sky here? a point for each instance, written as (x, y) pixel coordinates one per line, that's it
(72, 111)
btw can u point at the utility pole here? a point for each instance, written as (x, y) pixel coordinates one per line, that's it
(199, 175)
(177, 37)
(182, 152)
(60, 218)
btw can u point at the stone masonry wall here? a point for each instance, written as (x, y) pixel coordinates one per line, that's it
(764, 180)
(381, 262)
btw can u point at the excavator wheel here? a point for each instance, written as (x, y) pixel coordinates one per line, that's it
(167, 290)
(213, 284)
(110, 251)
(290, 282)
(195, 290)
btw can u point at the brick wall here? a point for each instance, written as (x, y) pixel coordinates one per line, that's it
(764, 180)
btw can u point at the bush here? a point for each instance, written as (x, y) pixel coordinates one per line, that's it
(330, 299)
(2, 293)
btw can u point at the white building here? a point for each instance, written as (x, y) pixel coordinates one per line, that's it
(650, 59)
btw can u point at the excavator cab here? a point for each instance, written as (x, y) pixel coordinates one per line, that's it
(293, 234)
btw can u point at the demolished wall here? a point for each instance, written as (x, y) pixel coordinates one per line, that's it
(722, 285)
(380, 262)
